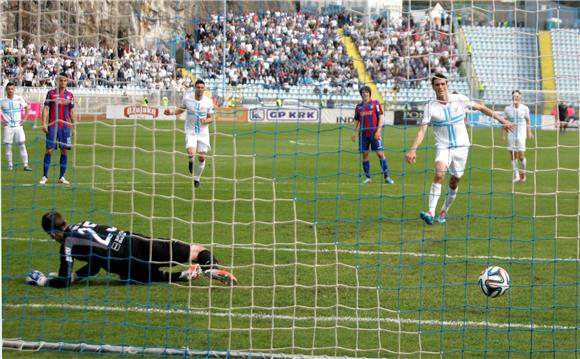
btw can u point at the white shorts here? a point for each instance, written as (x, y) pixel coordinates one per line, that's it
(516, 142)
(200, 143)
(11, 133)
(454, 158)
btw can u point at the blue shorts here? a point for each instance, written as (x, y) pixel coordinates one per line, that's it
(365, 142)
(60, 137)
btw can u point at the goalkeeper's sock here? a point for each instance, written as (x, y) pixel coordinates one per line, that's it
(434, 195)
(9, 154)
(46, 162)
(206, 260)
(192, 273)
(174, 276)
(367, 168)
(198, 169)
(63, 162)
(449, 198)
(23, 154)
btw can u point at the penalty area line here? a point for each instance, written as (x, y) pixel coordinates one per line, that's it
(264, 316)
(292, 248)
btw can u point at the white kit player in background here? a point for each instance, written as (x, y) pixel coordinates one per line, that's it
(447, 115)
(199, 110)
(12, 106)
(519, 114)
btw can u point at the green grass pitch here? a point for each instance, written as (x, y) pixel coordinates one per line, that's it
(326, 266)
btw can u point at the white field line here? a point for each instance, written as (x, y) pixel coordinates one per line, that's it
(292, 247)
(265, 316)
(303, 143)
(121, 185)
(147, 184)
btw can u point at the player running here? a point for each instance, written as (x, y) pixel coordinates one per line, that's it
(199, 115)
(134, 257)
(519, 114)
(447, 114)
(12, 106)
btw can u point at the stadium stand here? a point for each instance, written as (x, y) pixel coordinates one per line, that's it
(275, 49)
(301, 58)
(91, 67)
(566, 48)
(312, 65)
(505, 58)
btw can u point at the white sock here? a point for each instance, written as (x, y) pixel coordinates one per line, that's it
(24, 154)
(515, 168)
(523, 164)
(449, 198)
(434, 195)
(185, 275)
(198, 169)
(9, 154)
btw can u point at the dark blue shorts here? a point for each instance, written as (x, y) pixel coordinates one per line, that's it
(365, 142)
(58, 137)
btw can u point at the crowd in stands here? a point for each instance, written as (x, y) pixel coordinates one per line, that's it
(405, 51)
(92, 67)
(272, 48)
(288, 49)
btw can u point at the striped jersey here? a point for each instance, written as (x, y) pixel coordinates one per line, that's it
(448, 121)
(12, 110)
(368, 114)
(59, 107)
(518, 116)
(195, 112)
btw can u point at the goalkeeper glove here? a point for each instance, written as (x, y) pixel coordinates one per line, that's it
(36, 278)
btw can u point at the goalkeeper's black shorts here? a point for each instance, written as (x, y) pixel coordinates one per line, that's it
(147, 256)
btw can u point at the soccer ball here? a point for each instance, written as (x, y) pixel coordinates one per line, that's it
(494, 281)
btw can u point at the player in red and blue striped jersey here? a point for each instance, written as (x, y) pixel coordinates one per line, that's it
(368, 122)
(60, 113)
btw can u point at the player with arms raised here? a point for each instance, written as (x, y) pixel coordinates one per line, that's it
(199, 110)
(447, 115)
(12, 106)
(519, 114)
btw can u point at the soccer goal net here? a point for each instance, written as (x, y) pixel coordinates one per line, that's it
(332, 258)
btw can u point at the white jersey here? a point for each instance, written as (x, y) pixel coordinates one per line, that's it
(448, 121)
(195, 112)
(12, 110)
(518, 116)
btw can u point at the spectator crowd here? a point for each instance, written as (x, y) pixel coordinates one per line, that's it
(91, 67)
(405, 51)
(272, 48)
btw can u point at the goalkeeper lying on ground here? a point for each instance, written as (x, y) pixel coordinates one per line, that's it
(135, 258)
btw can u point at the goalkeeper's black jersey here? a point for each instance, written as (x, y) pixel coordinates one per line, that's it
(98, 245)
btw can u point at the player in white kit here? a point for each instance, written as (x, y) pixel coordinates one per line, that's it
(199, 110)
(519, 114)
(447, 116)
(12, 106)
